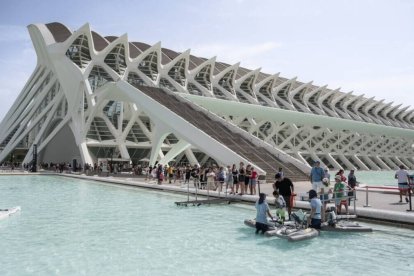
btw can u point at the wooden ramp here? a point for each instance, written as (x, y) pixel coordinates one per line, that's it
(207, 202)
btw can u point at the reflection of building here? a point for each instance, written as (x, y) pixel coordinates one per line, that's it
(84, 101)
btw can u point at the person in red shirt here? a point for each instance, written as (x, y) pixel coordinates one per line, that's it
(253, 181)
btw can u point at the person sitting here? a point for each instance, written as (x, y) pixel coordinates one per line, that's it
(262, 210)
(280, 206)
(314, 219)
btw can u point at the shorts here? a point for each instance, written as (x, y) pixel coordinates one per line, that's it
(315, 223)
(280, 212)
(403, 187)
(246, 180)
(261, 227)
(287, 200)
(324, 197)
(253, 182)
(241, 178)
(316, 186)
(230, 183)
(339, 201)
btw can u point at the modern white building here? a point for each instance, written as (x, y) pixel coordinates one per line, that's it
(96, 97)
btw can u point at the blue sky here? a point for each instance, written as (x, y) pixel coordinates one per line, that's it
(364, 46)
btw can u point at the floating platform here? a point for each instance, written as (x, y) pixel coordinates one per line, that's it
(207, 202)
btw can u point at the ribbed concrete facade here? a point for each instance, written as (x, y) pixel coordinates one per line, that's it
(67, 106)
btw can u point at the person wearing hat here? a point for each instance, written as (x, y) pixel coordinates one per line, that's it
(316, 176)
(339, 190)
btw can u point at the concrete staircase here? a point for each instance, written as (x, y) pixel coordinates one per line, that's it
(220, 132)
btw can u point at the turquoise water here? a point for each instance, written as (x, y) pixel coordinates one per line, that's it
(76, 227)
(374, 178)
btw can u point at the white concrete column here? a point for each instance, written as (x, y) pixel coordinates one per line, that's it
(382, 164)
(191, 157)
(175, 150)
(85, 155)
(159, 134)
(360, 163)
(348, 164)
(333, 162)
(390, 163)
(371, 163)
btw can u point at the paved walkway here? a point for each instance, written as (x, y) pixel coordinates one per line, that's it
(384, 205)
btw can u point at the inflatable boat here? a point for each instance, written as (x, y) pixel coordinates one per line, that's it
(294, 234)
(345, 226)
(336, 223)
(4, 213)
(272, 224)
(290, 230)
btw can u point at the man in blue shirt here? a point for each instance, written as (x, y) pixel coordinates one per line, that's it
(317, 174)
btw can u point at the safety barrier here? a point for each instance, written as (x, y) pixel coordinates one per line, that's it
(410, 187)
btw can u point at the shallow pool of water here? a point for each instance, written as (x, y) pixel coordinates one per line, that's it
(373, 178)
(76, 227)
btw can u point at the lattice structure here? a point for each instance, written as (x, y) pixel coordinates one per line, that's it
(76, 105)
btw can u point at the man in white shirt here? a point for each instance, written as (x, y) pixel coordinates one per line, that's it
(403, 181)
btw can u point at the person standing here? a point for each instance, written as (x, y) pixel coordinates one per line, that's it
(342, 174)
(187, 175)
(235, 174)
(242, 176)
(339, 190)
(262, 210)
(403, 179)
(229, 180)
(314, 219)
(280, 171)
(285, 188)
(253, 181)
(195, 174)
(316, 176)
(352, 183)
(211, 175)
(247, 179)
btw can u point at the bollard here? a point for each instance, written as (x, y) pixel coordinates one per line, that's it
(409, 196)
(366, 197)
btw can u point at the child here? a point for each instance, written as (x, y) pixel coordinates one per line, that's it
(339, 190)
(280, 206)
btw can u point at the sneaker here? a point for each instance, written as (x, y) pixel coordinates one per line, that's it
(400, 201)
(406, 200)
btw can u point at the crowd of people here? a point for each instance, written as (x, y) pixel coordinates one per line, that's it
(283, 192)
(238, 179)
(342, 191)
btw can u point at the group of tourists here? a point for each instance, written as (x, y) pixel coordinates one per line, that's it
(283, 190)
(342, 191)
(240, 180)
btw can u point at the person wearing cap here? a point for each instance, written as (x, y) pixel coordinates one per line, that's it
(263, 211)
(285, 188)
(316, 176)
(315, 218)
(339, 190)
